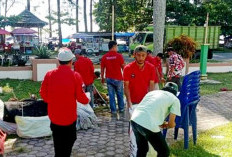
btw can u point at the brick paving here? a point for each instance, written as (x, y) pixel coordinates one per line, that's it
(111, 136)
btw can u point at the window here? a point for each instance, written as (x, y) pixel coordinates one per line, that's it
(149, 38)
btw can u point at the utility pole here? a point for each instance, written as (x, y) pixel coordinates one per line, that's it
(113, 22)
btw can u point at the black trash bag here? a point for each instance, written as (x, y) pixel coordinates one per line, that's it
(28, 107)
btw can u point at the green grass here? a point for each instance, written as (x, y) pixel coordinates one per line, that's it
(224, 78)
(209, 61)
(22, 88)
(216, 142)
(99, 86)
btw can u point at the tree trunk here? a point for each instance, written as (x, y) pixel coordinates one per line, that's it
(77, 20)
(85, 16)
(59, 23)
(91, 15)
(49, 14)
(159, 9)
(28, 5)
(6, 1)
(187, 65)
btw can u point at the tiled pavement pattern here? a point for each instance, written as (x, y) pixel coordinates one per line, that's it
(111, 138)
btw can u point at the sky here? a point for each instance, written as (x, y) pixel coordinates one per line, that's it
(40, 9)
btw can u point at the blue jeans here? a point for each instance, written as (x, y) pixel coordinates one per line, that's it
(115, 86)
(156, 139)
(89, 89)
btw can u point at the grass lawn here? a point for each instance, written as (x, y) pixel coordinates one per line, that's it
(224, 78)
(216, 142)
(24, 88)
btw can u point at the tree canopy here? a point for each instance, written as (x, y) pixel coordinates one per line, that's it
(137, 14)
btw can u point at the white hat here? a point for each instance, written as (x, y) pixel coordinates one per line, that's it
(65, 54)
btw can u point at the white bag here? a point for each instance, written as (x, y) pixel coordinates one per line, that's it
(33, 127)
(133, 145)
(86, 117)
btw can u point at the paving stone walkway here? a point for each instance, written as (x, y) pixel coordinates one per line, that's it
(111, 137)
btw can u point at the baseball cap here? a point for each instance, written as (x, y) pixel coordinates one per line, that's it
(171, 87)
(65, 54)
(77, 51)
(140, 48)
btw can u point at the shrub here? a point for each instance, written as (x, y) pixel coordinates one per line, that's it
(183, 45)
(42, 52)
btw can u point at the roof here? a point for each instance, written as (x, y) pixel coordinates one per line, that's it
(2, 32)
(27, 19)
(89, 34)
(23, 31)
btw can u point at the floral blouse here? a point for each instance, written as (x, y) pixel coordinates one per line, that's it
(176, 64)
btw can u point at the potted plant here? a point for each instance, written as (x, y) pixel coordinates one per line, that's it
(42, 52)
(43, 62)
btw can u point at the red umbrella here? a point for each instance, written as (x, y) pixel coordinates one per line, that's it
(23, 31)
(3, 32)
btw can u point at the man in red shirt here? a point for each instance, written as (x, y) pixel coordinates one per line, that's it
(84, 67)
(158, 65)
(61, 89)
(113, 63)
(139, 77)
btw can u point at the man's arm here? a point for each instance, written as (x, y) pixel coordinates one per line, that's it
(127, 94)
(44, 89)
(102, 74)
(171, 123)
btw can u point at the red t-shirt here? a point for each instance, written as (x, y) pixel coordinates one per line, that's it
(139, 80)
(112, 62)
(158, 66)
(61, 88)
(150, 59)
(84, 67)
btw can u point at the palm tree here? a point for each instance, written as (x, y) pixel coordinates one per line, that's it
(91, 17)
(159, 9)
(59, 23)
(50, 22)
(77, 7)
(85, 16)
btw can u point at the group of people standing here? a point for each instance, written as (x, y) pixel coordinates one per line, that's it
(62, 87)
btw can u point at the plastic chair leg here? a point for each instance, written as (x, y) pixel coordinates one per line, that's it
(186, 137)
(176, 133)
(194, 126)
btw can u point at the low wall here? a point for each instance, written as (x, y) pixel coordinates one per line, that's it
(37, 71)
(24, 72)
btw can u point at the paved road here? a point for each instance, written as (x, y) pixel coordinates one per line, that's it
(111, 137)
(225, 57)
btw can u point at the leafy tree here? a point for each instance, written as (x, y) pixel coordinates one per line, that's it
(129, 14)
(8, 21)
(180, 13)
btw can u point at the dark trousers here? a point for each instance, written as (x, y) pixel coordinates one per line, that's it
(63, 138)
(144, 135)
